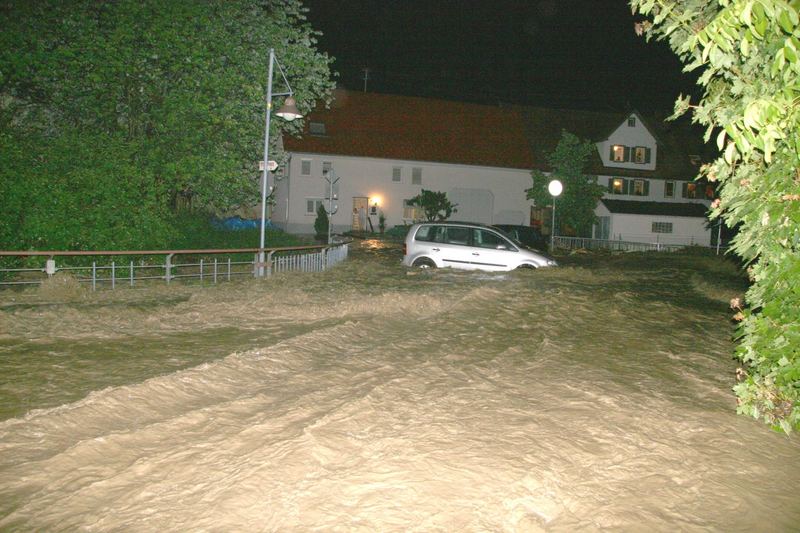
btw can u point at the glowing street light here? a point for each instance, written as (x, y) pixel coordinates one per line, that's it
(554, 188)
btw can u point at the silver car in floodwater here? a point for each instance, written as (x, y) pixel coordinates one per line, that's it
(469, 246)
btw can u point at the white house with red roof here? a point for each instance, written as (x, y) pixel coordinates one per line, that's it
(384, 149)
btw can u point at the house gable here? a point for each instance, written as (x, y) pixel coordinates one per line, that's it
(632, 145)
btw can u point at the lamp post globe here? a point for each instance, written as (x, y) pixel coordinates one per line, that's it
(554, 188)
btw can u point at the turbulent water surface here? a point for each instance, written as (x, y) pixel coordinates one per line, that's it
(591, 396)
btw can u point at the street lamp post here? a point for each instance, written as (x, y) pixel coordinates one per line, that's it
(287, 112)
(554, 188)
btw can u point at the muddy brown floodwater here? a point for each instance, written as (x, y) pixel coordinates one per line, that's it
(593, 396)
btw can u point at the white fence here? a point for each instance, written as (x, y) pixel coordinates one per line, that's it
(572, 243)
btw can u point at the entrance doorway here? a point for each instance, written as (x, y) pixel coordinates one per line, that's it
(360, 216)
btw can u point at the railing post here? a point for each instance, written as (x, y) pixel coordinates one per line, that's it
(113, 276)
(94, 275)
(168, 268)
(229, 269)
(201, 269)
(269, 263)
(131, 273)
(215, 269)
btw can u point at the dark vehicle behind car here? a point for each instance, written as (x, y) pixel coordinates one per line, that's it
(526, 235)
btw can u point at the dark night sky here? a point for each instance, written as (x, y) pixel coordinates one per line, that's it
(554, 53)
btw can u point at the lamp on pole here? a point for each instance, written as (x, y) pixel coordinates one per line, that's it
(287, 112)
(554, 188)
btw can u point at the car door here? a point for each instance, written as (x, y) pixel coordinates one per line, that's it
(491, 251)
(455, 250)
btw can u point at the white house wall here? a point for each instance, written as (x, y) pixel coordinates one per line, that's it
(372, 178)
(639, 228)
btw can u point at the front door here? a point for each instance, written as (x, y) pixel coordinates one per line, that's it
(360, 206)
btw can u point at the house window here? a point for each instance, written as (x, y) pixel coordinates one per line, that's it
(397, 173)
(692, 190)
(617, 186)
(669, 189)
(631, 121)
(641, 154)
(416, 176)
(411, 212)
(305, 167)
(662, 227)
(312, 204)
(316, 128)
(640, 187)
(620, 153)
(327, 166)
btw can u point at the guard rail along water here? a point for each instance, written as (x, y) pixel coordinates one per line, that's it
(109, 269)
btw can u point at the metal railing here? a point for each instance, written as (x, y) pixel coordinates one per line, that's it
(202, 265)
(572, 243)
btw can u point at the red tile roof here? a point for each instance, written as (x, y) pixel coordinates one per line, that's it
(417, 129)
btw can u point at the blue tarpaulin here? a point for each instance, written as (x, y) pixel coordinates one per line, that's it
(237, 223)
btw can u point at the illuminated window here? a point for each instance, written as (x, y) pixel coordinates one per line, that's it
(639, 187)
(662, 227)
(641, 154)
(620, 153)
(691, 190)
(411, 212)
(618, 186)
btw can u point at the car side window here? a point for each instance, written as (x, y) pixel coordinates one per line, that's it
(456, 235)
(489, 239)
(428, 233)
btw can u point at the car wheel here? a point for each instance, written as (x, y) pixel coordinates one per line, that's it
(424, 262)
(526, 267)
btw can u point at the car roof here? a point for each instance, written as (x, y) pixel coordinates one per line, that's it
(455, 223)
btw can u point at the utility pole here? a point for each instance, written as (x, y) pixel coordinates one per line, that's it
(366, 77)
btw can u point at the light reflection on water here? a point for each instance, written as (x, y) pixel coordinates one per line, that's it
(593, 396)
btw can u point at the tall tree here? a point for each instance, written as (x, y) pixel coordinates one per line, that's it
(168, 97)
(581, 193)
(748, 53)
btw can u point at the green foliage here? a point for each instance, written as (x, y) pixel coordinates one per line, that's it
(321, 223)
(577, 202)
(748, 53)
(434, 205)
(195, 231)
(117, 108)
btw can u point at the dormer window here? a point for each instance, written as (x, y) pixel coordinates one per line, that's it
(316, 128)
(632, 121)
(641, 154)
(619, 153)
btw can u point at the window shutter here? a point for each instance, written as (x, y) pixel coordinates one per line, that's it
(627, 156)
(646, 188)
(627, 186)
(647, 155)
(685, 189)
(611, 185)
(611, 153)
